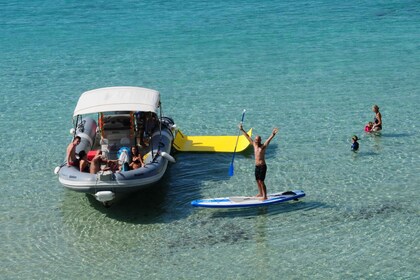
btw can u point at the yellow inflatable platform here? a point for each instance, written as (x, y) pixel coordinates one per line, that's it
(217, 144)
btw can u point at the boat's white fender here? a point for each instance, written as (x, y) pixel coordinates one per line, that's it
(167, 156)
(57, 168)
(104, 196)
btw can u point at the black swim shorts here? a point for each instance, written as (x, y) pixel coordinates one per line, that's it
(260, 171)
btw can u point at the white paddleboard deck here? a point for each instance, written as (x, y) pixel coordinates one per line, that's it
(248, 201)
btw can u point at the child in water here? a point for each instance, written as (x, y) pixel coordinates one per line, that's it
(368, 127)
(355, 144)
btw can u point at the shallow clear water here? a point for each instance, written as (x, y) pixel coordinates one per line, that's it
(312, 68)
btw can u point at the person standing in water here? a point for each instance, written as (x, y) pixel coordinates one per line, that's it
(260, 165)
(377, 121)
(355, 144)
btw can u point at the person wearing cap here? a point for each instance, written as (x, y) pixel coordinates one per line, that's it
(355, 144)
(260, 165)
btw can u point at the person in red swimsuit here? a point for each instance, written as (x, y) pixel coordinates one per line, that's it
(260, 165)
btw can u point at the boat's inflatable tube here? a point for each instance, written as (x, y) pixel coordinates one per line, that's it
(86, 129)
(124, 181)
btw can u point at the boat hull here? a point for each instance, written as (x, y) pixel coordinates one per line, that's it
(123, 181)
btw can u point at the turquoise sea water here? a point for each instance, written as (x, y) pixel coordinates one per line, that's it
(312, 68)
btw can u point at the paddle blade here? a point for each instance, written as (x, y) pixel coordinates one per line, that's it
(231, 170)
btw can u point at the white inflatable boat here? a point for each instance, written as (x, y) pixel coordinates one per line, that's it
(112, 120)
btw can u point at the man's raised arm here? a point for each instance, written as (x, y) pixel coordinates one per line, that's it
(246, 134)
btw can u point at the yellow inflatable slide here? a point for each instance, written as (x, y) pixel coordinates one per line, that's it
(217, 144)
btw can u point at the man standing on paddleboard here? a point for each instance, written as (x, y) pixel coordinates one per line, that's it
(260, 166)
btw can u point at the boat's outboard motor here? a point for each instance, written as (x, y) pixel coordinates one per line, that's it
(86, 129)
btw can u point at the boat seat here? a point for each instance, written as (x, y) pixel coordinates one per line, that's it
(116, 135)
(125, 141)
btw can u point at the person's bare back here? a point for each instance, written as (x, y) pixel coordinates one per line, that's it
(96, 162)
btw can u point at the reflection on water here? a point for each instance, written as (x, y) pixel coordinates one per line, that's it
(395, 135)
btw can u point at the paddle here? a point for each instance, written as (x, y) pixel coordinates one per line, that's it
(231, 169)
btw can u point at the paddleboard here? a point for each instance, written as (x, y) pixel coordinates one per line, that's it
(215, 144)
(248, 201)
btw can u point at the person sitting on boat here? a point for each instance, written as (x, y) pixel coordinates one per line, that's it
(136, 158)
(97, 161)
(112, 165)
(377, 126)
(71, 152)
(84, 164)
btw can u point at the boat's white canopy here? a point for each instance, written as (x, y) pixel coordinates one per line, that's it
(113, 99)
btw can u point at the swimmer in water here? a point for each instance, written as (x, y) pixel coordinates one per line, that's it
(377, 126)
(369, 126)
(355, 144)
